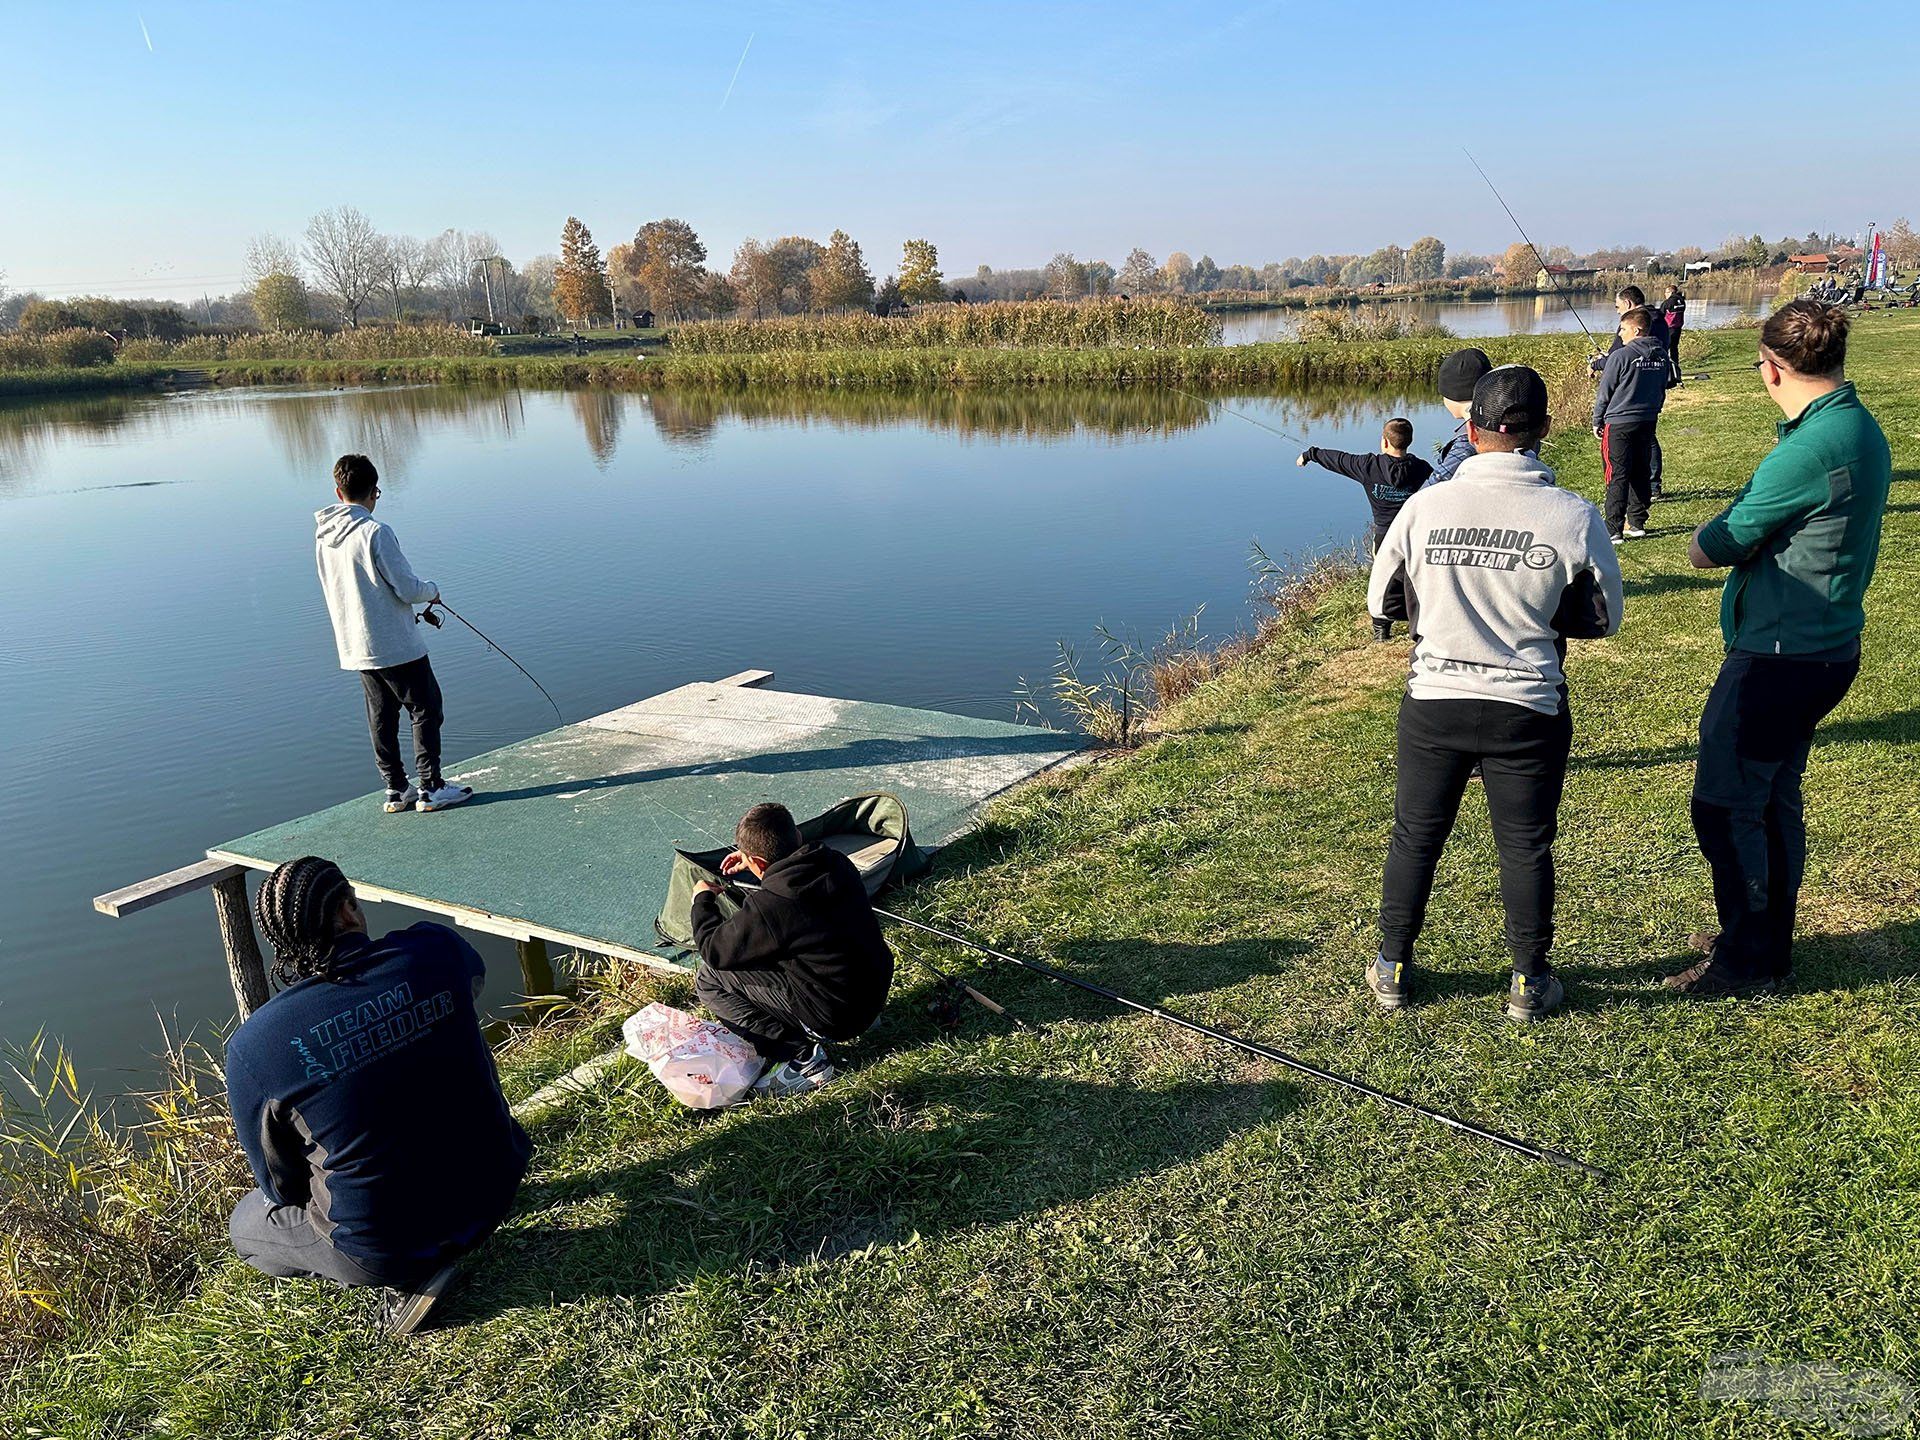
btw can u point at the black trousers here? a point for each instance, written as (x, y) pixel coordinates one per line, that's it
(1749, 814)
(1522, 756)
(1629, 449)
(410, 686)
(758, 1006)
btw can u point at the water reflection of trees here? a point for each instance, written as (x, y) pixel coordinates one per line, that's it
(1036, 413)
(311, 428)
(28, 428)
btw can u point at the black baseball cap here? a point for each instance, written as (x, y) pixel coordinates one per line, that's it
(1510, 400)
(1460, 371)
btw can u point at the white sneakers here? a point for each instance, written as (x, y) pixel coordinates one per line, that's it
(443, 797)
(1633, 534)
(398, 800)
(797, 1076)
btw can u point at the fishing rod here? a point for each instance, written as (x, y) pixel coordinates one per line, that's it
(1572, 309)
(434, 620)
(1209, 404)
(1266, 1052)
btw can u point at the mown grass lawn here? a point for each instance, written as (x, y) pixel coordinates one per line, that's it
(1119, 1229)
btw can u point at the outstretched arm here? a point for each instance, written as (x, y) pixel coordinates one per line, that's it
(398, 574)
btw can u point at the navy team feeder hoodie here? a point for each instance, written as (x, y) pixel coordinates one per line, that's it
(1633, 387)
(1387, 479)
(371, 1099)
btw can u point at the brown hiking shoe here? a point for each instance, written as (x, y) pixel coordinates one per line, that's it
(1709, 979)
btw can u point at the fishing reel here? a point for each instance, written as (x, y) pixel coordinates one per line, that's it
(431, 616)
(948, 1004)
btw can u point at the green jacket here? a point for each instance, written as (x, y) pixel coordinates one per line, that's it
(1804, 533)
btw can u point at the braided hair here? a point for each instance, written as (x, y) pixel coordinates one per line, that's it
(296, 905)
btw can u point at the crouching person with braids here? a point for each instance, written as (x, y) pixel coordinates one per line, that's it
(366, 1100)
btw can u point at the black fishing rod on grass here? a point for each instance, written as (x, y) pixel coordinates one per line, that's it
(1572, 309)
(434, 620)
(1267, 1052)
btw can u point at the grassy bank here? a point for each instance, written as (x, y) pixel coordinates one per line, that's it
(1115, 1229)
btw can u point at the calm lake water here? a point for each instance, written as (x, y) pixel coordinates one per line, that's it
(1540, 314)
(167, 676)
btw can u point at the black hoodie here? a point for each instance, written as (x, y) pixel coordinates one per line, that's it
(1387, 479)
(810, 922)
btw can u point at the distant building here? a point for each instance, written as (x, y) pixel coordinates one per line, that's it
(1811, 264)
(1549, 276)
(1698, 267)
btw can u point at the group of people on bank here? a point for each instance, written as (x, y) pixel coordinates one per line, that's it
(365, 1096)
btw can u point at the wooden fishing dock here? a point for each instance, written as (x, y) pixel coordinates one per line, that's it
(570, 835)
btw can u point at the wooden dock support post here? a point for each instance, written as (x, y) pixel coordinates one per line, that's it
(536, 967)
(244, 966)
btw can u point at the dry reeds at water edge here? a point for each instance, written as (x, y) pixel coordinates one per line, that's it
(99, 1207)
(1115, 703)
(1017, 324)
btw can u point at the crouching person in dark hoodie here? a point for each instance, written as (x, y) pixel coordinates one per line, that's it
(365, 1097)
(801, 961)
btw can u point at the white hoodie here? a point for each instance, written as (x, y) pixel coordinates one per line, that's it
(1496, 570)
(370, 589)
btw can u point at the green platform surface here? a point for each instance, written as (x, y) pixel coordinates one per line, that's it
(570, 835)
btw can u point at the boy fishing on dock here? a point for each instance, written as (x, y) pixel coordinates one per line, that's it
(371, 591)
(801, 960)
(1626, 409)
(1388, 478)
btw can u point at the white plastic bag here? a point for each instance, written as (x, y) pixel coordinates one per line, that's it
(705, 1065)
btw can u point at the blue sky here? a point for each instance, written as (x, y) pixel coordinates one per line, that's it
(1003, 132)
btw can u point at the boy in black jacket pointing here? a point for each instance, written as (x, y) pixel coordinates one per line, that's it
(1388, 478)
(802, 960)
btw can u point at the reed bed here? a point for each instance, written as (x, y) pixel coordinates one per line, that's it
(1014, 324)
(79, 348)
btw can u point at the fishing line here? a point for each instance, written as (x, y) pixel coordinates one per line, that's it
(1572, 309)
(434, 620)
(1208, 405)
(1267, 1052)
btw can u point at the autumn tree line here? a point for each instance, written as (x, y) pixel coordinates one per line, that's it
(343, 270)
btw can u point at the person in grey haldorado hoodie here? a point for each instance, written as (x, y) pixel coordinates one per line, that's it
(371, 592)
(1626, 408)
(1495, 571)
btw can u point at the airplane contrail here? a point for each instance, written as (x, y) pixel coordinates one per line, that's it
(736, 71)
(143, 30)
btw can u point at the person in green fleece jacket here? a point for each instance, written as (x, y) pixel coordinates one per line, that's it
(1802, 538)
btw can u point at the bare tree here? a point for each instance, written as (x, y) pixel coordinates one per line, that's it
(407, 263)
(345, 252)
(270, 255)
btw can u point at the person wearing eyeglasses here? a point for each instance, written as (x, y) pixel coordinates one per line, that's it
(371, 591)
(1801, 539)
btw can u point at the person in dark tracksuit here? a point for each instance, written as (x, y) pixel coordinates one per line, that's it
(1673, 310)
(1626, 410)
(1460, 371)
(1495, 571)
(799, 959)
(371, 591)
(1802, 539)
(1632, 297)
(366, 1100)
(1388, 478)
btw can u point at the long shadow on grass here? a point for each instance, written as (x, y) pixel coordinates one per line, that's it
(779, 1184)
(1894, 727)
(1669, 581)
(1850, 961)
